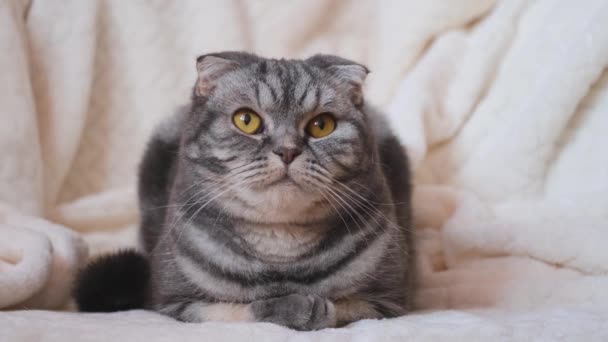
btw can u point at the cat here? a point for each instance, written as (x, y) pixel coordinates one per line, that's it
(278, 195)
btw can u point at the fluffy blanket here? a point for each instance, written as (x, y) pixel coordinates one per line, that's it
(501, 104)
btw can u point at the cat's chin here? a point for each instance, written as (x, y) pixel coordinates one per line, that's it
(280, 179)
(283, 201)
(283, 182)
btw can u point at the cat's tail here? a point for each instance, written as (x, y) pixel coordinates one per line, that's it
(113, 282)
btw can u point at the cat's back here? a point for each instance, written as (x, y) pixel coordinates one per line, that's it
(396, 169)
(156, 176)
(393, 155)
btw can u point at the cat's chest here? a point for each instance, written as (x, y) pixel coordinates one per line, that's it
(262, 261)
(278, 242)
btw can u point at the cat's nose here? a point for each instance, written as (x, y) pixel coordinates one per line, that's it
(287, 154)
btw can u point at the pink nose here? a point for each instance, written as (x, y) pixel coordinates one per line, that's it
(287, 154)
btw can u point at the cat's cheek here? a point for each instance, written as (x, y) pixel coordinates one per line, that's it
(193, 151)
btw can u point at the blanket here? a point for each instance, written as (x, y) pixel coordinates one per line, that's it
(500, 104)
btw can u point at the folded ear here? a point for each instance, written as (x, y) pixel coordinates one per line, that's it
(341, 67)
(346, 70)
(212, 66)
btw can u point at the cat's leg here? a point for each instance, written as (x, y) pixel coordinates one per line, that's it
(300, 312)
(310, 312)
(349, 310)
(296, 311)
(199, 311)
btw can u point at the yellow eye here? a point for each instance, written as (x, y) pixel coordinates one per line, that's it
(321, 125)
(247, 121)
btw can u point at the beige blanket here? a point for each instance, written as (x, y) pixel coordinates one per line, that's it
(502, 105)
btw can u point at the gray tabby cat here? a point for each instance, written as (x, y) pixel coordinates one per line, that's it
(277, 196)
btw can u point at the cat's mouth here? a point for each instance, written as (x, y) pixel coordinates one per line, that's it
(284, 180)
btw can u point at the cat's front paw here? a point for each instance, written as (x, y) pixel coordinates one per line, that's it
(300, 312)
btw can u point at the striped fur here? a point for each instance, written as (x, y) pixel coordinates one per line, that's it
(234, 234)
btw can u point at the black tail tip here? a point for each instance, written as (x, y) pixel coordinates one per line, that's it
(113, 282)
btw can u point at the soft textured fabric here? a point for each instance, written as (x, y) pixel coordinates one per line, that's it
(502, 106)
(538, 325)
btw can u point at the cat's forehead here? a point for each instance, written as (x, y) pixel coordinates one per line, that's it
(284, 88)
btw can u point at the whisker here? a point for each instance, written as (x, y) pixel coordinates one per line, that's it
(343, 220)
(184, 210)
(364, 204)
(381, 215)
(336, 196)
(225, 189)
(327, 174)
(336, 209)
(201, 182)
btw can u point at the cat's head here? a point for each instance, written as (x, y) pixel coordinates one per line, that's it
(278, 135)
